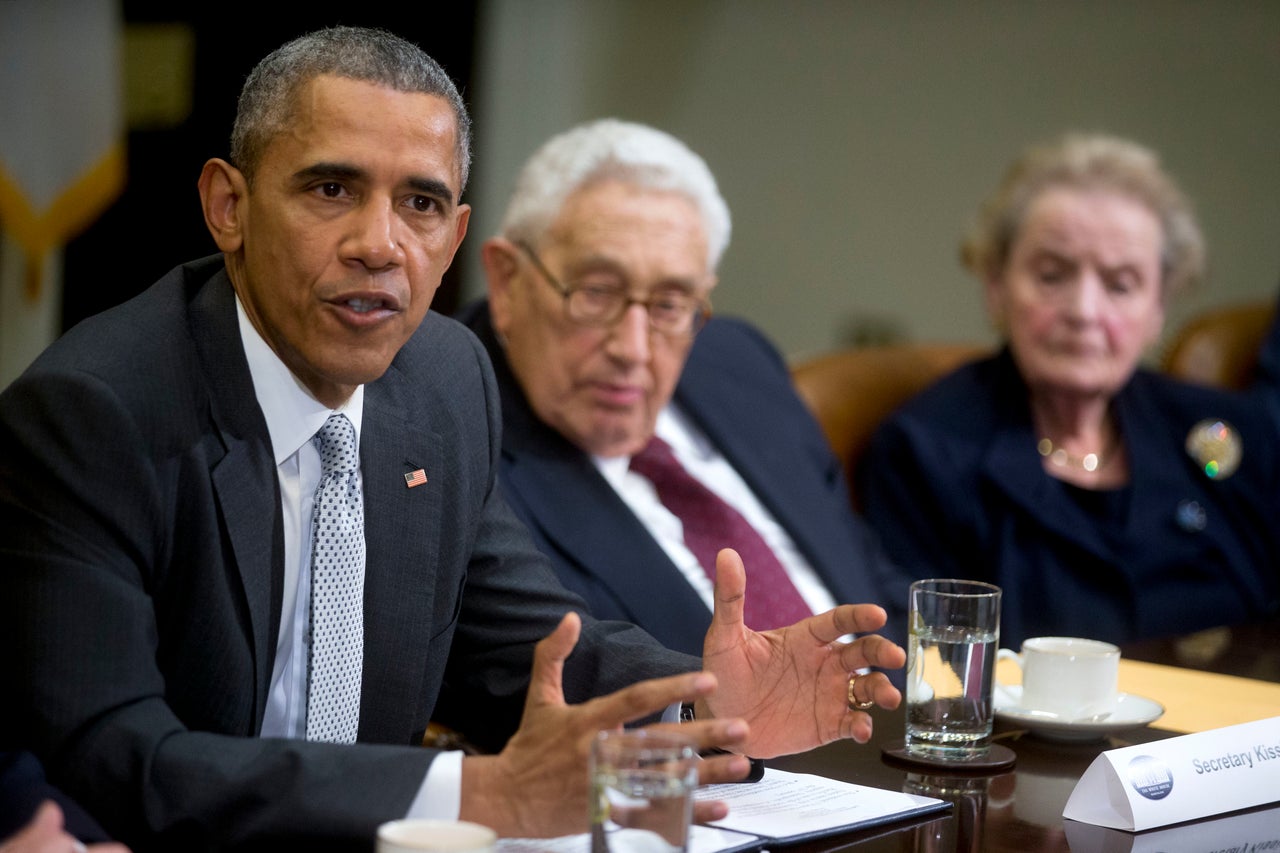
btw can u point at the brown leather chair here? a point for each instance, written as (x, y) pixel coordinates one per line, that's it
(851, 391)
(1220, 346)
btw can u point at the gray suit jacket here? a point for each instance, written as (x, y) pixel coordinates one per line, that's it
(141, 572)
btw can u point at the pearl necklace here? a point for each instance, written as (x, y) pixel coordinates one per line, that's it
(1058, 456)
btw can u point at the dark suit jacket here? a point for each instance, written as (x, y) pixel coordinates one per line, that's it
(954, 484)
(142, 560)
(737, 389)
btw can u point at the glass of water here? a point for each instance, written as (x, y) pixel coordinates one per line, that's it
(954, 632)
(642, 790)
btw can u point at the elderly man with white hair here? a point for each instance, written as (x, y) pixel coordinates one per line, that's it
(640, 434)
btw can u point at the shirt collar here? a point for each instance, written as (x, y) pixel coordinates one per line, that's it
(293, 416)
(676, 429)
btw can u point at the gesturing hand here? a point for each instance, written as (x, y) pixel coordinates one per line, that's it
(538, 786)
(791, 684)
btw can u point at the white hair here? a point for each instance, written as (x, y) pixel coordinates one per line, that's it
(610, 149)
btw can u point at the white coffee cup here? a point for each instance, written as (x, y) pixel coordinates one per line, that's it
(1069, 677)
(414, 835)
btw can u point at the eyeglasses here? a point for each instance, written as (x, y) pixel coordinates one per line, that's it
(673, 313)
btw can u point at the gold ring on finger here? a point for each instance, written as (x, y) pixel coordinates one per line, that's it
(852, 696)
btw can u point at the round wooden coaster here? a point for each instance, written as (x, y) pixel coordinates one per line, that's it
(998, 759)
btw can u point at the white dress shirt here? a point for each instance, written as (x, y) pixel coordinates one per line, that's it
(705, 463)
(293, 417)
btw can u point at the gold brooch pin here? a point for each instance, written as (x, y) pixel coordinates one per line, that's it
(1215, 445)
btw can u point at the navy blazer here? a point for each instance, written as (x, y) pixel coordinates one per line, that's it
(141, 574)
(737, 389)
(954, 484)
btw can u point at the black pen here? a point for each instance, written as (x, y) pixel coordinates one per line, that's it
(755, 774)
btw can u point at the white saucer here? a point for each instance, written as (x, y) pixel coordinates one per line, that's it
(1130, 712)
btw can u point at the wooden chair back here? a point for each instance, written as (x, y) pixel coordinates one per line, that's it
(1220, 346)
(850, 391)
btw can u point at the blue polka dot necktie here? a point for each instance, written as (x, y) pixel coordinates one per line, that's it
(337, 588)
(711, 524)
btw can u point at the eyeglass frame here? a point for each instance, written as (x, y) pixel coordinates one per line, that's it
(697, 320)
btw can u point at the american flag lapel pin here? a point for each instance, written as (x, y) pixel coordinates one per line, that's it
(415, 478)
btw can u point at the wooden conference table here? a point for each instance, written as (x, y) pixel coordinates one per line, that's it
(1213, 679)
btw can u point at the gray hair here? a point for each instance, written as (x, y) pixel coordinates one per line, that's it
(1089, 161)
(269, 98)
(610, 149)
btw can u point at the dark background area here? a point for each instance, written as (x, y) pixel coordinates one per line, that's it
(156, 223)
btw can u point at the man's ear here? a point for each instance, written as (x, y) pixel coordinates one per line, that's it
(224, 194)
(500, 258)
(460, 232)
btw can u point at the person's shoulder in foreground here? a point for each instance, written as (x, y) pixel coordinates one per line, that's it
(156, 550)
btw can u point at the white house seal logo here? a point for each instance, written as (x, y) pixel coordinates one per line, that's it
(1150, 777)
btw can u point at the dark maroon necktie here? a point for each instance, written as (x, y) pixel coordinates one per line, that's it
(711, 524)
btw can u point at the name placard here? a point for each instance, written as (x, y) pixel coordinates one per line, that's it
(1181, 779)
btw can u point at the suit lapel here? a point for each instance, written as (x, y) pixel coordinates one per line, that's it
(400, 525)
(589, 523)
(244, 479)
(1012, 465)
(756, 445)
(1158, 463)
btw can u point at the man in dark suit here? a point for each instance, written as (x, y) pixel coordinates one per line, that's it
(618, 211)
(159, 600)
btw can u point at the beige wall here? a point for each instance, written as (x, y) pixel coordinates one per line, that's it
(853, 139)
